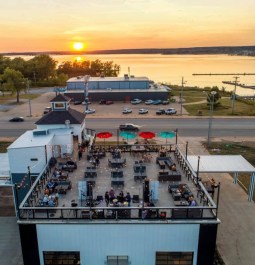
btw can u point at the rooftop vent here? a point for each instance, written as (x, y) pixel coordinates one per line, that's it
(126, 76)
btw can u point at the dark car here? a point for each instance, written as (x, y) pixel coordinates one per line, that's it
(160, 112)
(17, 119)
(108, 102)
(129, 127)
(157, 102)
(69, 166)
(102, 101)
(77, 102)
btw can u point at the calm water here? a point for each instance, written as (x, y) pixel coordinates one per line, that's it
(171, 68)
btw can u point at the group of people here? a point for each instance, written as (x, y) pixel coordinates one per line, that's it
(111, 198)
(50, 200)
(147, 158)
(95, 161)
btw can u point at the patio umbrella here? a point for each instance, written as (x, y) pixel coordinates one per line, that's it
(127, 135)
(147, 135)
(167, 135)
(104, 135)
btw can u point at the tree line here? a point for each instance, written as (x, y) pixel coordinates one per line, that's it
(17, 75)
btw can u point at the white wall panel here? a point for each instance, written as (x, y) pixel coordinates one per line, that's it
(96, 241)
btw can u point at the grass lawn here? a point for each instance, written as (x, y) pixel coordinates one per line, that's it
(3, 146)
(246, 149)
(11, 99)
(224, 109)
(193, 95)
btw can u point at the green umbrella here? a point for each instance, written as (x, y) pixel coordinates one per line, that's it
(127, 135)
(167, 135)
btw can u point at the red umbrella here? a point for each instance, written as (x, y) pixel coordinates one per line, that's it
(104, 135)
(147, 135)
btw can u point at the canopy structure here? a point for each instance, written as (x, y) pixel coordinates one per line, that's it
(224, 164)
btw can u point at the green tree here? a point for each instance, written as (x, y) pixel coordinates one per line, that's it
(4, 63)
(214, 96)
(41, 67)
(14, 81)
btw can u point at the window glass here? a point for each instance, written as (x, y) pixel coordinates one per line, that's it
(117, 260)
(61, 257)
(174, 258)
(59, 105)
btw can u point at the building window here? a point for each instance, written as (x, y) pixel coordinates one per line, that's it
(117, 260)
(61, 257)
(174, 258)
(59, 105)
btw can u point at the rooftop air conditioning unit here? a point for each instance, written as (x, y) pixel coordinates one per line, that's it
(125, 76)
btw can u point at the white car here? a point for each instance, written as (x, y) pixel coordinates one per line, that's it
(148, 102)
(143, 111)
(136, 101)
(90, 111)
(170, 111)
(127, 111)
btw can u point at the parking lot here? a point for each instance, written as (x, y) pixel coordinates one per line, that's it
(115, 110)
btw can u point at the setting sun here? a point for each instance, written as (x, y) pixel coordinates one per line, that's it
(78, 46)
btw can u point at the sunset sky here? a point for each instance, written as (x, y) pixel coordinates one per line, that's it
(53, 25)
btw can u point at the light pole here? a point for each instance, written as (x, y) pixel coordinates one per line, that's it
(29, 101)
(181, 97)
(211, 102)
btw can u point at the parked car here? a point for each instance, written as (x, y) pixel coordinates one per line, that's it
(108, 102)
(136, 101)
(160, 112)
(90, 111)
(17, 119)
(148, 102)
(127, 111)
(77, 102)
(129, 127)
(170, 111)
(102, 101)
(157, 102)
(165, 102)
(143, 111)
(69, 166)
(47, 110)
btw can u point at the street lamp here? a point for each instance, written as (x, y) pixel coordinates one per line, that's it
(29, 101)
(211, 102)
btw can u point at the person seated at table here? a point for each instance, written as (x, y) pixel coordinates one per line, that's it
(45, 199)
(92, 161)
(111, 195)
(173, 167)
(46, 191)
(51, 185)
(51, 203)
(192, 201)
(56, 173)
(121, 197)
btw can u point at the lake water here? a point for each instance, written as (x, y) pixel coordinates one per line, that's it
(171, 68)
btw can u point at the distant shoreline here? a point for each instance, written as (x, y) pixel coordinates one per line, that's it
(227, 50)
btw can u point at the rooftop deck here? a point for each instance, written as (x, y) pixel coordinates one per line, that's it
(76, 202)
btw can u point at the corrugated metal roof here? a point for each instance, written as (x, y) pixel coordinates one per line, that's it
(220, 164)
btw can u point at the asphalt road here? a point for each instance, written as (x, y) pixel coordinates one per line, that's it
(194, 127)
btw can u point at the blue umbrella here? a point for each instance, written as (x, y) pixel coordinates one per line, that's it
(127, 135)
(167, 135)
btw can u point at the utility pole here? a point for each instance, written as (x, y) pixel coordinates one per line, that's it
(86, 91)
(234, 95)
(181, 97)
(29, 101)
